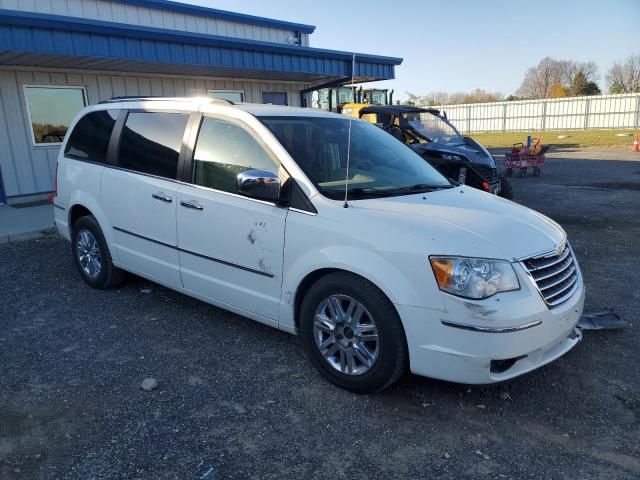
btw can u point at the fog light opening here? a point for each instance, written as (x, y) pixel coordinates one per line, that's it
(501, 366)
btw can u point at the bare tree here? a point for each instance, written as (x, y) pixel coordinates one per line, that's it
(438, 98)
(481, 96)
(624, 77)
(551, 76)
(443, 98)
(540, 80)
(569, 69)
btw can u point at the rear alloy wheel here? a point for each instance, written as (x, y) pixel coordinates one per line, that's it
(91, 255)
(88, 254)
(352, 333)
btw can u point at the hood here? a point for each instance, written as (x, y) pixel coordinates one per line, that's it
(464, 221)
(475, 152)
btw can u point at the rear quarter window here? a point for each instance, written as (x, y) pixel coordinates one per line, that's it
(150, 142)
(89, 139)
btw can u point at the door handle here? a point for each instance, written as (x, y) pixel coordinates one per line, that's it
(191, 204)
(162, 196)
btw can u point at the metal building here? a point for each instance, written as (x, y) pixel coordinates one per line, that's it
(58, 55)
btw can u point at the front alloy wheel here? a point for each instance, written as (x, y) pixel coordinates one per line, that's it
(346, 334)
(352, 333)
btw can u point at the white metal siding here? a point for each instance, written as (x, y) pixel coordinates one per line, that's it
(28, 169)
(133, 15)
(573, 113)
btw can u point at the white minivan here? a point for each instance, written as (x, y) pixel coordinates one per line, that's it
(243, 206)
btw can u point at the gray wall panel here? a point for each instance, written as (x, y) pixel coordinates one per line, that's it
(131, 14)
(7, 156)
(18, 135)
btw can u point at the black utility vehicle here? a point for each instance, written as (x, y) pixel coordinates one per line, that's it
(430, 134)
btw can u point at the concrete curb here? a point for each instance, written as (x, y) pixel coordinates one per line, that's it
(24, 236)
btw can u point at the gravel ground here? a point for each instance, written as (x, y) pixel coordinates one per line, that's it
(241, 399)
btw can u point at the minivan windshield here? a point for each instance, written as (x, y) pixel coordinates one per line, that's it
(435, 128)
(379, 164)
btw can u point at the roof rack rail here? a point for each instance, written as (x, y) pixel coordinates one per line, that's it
(168, 99)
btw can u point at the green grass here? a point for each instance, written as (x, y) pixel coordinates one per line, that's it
(588, 138)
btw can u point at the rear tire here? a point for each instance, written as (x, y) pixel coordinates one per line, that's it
(364, 355)
(91, 255)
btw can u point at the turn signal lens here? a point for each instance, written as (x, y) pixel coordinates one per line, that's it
(442, 268)
(486, 186)
(475, 278)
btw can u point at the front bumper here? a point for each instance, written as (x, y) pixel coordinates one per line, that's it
(512, 343)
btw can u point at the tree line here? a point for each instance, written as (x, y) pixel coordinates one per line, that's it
(550, 78)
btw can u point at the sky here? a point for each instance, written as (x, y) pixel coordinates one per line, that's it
(461, 45)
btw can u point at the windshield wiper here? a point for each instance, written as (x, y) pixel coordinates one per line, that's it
(379, 192)
(373, 192)
(384, 192)
(355, 192)
(420, 187)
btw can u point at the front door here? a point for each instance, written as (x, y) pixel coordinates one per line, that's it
(140, 196)
(230, 246)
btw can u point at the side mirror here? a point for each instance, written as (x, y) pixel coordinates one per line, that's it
(259, 184)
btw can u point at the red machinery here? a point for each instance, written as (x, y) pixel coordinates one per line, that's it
(523, 157)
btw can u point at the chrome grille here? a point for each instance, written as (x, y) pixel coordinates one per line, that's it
(556, 276)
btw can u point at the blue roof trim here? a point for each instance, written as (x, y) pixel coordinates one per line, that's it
(58, 22)
(53, 35)
(219, 14)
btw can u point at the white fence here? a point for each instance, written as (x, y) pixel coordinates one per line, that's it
(572, 113)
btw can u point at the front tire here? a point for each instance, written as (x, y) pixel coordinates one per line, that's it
(352, 333)
(91, 255)
(506, 190)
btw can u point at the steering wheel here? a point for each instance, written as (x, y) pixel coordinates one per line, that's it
(363, 164)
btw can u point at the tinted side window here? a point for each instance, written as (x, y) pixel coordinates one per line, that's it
(223, 150)
(90, 137)
(150, 142)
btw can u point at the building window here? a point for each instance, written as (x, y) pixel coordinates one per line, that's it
(275, 98)
(234, 96)
(51, 110)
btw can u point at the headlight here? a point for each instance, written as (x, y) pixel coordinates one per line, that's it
(474, 277)
(455, 158)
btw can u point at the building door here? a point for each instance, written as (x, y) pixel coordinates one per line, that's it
(275, 98)
(2, 196)
(231, 246)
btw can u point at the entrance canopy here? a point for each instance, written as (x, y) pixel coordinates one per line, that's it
(43, 40)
